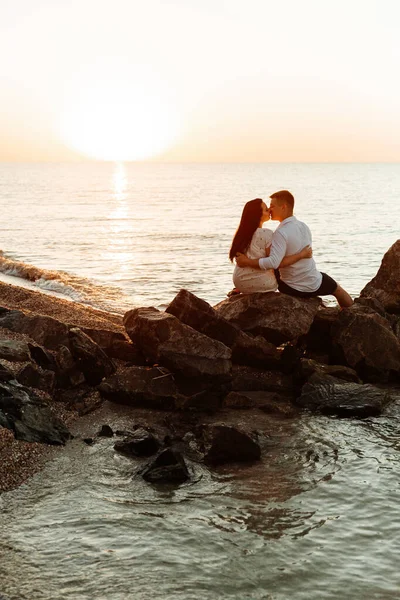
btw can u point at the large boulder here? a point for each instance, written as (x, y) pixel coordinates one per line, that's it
(164, 340)
(276, 317)
(200, 315)
(307, 367)
(89, 357)
(141, 386)
(31, 375)
(115, 344)
(385, 286)
(29, 417)
(365, 342)
(328, 395)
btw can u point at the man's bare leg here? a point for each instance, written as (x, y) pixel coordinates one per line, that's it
(344, 299)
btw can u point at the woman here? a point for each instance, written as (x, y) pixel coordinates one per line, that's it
(254, 241)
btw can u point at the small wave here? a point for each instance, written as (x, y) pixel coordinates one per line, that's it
(72, 287)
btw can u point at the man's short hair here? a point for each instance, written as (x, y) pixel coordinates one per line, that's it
(284, 197)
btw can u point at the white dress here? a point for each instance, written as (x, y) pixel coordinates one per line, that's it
(249, 280)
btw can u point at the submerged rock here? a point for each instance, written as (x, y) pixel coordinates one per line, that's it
(276, 317)
(385, 286)
(139, 443)
(29, 417)
(224, 444)
(168, 467)
(164, 340)
(105, 431)
(330, 396)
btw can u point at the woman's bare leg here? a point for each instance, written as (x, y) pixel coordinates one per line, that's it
(344, 299)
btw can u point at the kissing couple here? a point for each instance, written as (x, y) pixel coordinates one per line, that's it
(267, 261)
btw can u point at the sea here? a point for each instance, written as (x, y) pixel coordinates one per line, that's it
(318, 517)
(117, 235)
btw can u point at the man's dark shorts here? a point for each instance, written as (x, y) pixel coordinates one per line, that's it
(327, 288)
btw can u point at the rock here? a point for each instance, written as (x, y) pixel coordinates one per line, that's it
(330, 396)
(168, 467)
(269, 402)
(385, 286)
(249, 379)
(42, 357)
(115, 345)
(141, 386)
(5, 373)
(139, 443)
(223, 444)
(105, 431)
(89, 441)
(29, 417)
(89, 357)
(67, 373)
(14, 350)
(276, 317)
(365, 341)
(164, 340)
(308, 367)
(202, 317)
(46, 331)
(32, 376)
(319, 338)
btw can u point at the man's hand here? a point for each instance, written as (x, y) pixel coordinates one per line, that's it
(243, 261)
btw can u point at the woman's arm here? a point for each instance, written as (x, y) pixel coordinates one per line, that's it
(290, 260)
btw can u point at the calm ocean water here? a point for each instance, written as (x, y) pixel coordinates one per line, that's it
(118, 235)
(318, 517)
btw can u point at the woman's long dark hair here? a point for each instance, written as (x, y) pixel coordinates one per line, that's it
(249, 222)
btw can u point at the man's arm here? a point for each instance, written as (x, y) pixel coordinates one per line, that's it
(277, 254)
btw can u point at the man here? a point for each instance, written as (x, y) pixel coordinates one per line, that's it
(301, 279)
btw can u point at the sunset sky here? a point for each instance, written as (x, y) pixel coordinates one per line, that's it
(200, 80)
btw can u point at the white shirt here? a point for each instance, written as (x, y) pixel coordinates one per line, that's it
(289, 238)
(249, 280)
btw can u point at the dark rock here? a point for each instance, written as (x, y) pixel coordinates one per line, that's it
(32, 376)
(14, 350)
(163, 339)
(81, 399)
(330, 396)
(6, 374)
(249, 379)
(67, 373)
(255, 351)
(42, 357)
(319, 338)
(89, 441)
(29, 417)
(168, 467)
(223, 444)
(308, 367)
(259, 399)
(141, 386)
(139, 443)
(365, 341)
(89, 357)
(115, 345)
(276, 317)
(385, 286)
(105, 431)
(46, 331)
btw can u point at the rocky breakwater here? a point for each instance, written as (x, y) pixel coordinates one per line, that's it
(266, 356)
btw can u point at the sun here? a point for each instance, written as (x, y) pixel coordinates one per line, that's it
(119, 118)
